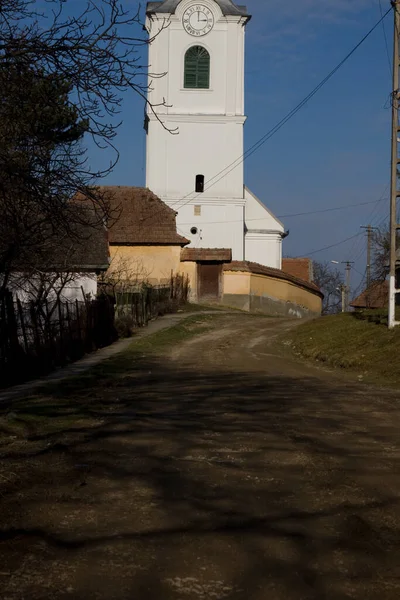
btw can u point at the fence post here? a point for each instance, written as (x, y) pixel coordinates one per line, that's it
(61, 327)
(36, 336)
(78, 320)
(22, 321)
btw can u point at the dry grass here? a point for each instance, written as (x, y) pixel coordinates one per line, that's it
(354, 342)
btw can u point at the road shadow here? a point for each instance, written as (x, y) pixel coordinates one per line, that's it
(167, 483)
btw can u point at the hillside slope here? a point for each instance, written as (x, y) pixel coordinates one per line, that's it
(355, 342)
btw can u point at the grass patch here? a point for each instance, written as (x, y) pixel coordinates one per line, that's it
(354, 342)
(82, 400)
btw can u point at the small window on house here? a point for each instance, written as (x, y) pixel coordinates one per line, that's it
(200, 184)
(197, 211)
(194, 231)
(197, 68)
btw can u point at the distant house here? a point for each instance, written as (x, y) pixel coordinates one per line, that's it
(143, 240)
(376, 296)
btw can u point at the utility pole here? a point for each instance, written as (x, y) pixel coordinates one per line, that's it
(394, 193)
(343, 290)
(348, 264)
(369, 230)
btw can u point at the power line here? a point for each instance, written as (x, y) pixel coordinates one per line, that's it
(331, 246)
(357, 244)
(289, 115)
(386, 40)
(312, 212)
(280, 124)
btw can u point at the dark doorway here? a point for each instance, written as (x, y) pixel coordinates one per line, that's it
(209, 280)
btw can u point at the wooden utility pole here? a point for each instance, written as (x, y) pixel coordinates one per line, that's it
(369, 230)
(394, 193)
(348, 264)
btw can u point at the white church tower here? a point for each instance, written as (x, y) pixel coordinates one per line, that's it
(195, 128)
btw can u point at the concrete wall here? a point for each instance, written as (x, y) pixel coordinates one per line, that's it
(269, 295)
(151, 263)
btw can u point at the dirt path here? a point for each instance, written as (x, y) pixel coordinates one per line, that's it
(219, 470)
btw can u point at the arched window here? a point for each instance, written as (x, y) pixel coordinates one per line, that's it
(200, 183)
(197, 68)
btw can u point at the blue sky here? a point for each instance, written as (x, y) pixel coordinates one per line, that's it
(336, 150)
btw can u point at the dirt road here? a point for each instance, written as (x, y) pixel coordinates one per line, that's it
(220, 470)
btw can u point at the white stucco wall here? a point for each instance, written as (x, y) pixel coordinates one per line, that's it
(205, 145)
(25, 290)
(207, 140)
(264, 249)
(263, 240)
(218, 226)
(209, 129)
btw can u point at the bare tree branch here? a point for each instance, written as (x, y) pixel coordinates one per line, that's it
(329, 280)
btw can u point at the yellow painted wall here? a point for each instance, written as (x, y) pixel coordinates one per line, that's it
(285, 290)
(236, 282)
(262, 286)
(190, 269)
(151, 263)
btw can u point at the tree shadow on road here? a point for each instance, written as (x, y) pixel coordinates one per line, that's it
(166, 483)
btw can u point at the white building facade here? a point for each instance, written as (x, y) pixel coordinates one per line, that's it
(195, 124)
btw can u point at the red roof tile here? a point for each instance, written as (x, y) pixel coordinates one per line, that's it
(206, 254)
(376, 296)
(143, 219)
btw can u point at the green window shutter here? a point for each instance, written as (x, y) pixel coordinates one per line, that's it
(197, 68)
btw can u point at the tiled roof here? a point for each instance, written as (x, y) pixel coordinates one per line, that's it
(169, 6)
(298, 267)
(141, 218)
(250, 267)
(206, 254)
(376, 296)
(83, 248)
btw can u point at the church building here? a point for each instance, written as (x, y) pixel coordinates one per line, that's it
(195, 121)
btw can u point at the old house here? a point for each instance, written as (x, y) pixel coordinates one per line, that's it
(374, 297)
(68, 265)
(144, 243)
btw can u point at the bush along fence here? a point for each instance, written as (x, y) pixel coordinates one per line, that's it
(35, 339)
(135, 306)
(38, 338)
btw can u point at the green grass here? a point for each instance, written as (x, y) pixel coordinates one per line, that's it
(358, 343)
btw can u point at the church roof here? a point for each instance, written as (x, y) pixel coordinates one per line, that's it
(169, 6)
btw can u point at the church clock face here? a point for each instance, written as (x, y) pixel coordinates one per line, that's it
(198, 20)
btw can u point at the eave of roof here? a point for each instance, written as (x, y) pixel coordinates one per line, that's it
(169, 6)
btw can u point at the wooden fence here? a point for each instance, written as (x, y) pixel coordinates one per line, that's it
(144, 303)
(36, 339)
